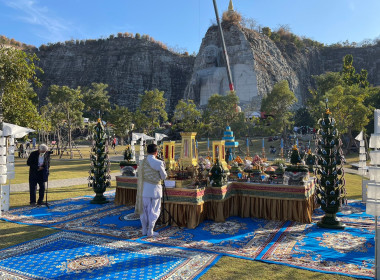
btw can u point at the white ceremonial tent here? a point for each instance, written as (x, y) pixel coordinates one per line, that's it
(142, 136)
(14, 130)
(159, 137)
(7, 166)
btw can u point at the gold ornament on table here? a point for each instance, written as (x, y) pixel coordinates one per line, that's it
(169, 154)
(218, 153)
(189, 153)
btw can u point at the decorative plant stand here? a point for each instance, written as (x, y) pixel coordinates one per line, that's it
(99, 178)
(329, 172)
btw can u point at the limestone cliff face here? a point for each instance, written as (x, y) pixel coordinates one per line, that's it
(129, 66)
(256, 65)
(364, 58)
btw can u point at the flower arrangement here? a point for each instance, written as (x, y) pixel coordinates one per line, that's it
(257, 162)
(128, 158)
(248, 168)
(205, 163)
(238, 160)
(128, 153)
(235, 168)
(278, 162)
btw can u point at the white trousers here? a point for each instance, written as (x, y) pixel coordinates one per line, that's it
(151, 212)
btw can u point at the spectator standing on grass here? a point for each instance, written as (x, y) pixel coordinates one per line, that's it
(34, 142)
(113, 142)
(38, 162)
(21, 150)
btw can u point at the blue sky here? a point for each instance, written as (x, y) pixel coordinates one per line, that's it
(182, 24)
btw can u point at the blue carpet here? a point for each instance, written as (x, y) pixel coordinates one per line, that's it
(348, 252)
(243, 237)
(58, 212)
(119, 222)
(67, 255)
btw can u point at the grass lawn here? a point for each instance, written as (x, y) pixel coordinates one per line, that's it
(226, 268)
(64, 168)
(240, 269)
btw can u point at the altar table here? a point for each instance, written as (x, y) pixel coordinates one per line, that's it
(189, 207)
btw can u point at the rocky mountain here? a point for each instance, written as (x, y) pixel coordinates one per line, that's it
(130, 66)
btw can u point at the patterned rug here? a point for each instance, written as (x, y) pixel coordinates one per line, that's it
(58, 212)
(349, 252)
(242, 237)
(68, 255)
(118, 222)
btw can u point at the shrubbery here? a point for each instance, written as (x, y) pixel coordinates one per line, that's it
(231, 17)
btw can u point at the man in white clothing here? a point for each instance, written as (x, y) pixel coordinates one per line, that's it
(149, 192)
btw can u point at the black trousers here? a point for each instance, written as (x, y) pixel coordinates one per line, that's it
(33, 188)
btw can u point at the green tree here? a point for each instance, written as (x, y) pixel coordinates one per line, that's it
(54, 121)
(324, 83)
(372, 100)
(151, 112)
(68, 102)
(350, 111)
(278, 103)
(186, 116)
(96, 99)
(266, 31)
(17, 74)
(349, 95)
(221, 110)
(302, 117)
(241, 126)
(46, 128)
(19, 108)
(121, 120)
(350, 77)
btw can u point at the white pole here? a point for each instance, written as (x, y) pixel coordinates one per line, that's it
(377, 251)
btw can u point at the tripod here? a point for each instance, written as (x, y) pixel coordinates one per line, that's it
(46, 194)
(47, 173)
(165, 211)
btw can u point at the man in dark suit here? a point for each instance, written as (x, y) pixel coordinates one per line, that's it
(39, 163)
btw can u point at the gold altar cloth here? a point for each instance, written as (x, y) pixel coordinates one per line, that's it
(189, 207)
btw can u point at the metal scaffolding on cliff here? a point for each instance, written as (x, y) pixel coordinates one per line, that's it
(231, 84)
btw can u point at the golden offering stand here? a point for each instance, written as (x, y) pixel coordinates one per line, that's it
(169, 154)
(218, 152)
(189, 153)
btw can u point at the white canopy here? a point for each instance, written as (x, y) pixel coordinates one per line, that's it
(159, 136)
(360, 136)
(15, 130)
(142, 136)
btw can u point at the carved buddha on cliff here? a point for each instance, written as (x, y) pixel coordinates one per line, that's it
(210, 79)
